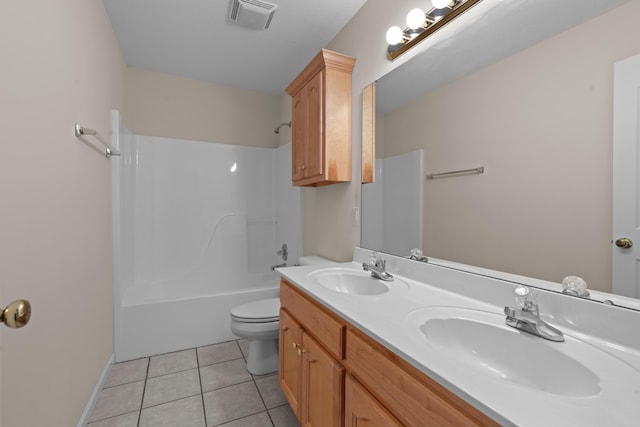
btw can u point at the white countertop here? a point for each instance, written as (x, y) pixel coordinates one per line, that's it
(387, 317)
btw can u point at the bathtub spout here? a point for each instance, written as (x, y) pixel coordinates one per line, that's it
(273, 267)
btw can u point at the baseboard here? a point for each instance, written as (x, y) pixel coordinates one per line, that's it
(91, 403)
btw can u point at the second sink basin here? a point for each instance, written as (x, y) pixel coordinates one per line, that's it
(479, 340)
(353, 282)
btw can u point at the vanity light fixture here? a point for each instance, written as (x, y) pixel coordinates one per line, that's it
(421, 24)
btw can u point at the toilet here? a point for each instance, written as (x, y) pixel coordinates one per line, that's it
(259, 323)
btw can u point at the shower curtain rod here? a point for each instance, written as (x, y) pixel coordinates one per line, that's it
(82, 131)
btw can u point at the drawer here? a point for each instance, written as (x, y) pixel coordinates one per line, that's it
(325, 327)
(410, 395)
(362, 409)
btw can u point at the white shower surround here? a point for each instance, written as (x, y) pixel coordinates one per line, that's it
(392, 205)
(196, 229)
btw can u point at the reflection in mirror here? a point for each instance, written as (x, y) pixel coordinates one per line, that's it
(539, 121)
(392, 205)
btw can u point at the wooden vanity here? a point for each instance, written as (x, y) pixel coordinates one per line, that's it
(334, 375)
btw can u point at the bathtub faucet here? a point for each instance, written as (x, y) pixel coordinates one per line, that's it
(273, 267)
(284, 252)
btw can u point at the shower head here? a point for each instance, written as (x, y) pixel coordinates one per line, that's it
(277, 130)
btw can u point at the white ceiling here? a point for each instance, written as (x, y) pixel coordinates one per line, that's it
(195, 39)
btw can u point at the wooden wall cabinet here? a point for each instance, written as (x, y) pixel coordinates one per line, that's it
(334, 375)
(321, 121)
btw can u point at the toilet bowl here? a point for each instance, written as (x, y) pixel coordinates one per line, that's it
(259, 323)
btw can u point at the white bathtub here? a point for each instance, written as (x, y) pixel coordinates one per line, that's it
(196, 227)
(156, 325)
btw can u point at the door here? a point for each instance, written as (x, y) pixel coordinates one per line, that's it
(314, 150)
(289, 369)
(0, 376)
(300, 126)
(308, 131)
(322, 385)
(626, 186)
(14, 315)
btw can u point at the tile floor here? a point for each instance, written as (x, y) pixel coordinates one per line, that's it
(205, 386)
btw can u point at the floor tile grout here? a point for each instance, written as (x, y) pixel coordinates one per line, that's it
(180, 363)
(204, 411)
(144, 389)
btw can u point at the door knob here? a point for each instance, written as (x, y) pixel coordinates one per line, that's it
(16, 314)
(624, 243)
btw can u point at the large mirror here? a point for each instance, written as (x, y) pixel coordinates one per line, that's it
(525, 91)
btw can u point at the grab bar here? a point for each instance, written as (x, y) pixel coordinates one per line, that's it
(455, 173)
(82, 131)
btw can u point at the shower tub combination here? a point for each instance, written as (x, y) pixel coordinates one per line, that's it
(196, 229)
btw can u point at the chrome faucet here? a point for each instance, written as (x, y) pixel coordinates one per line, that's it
(377, 267)
(575, 286)
(527, 317)
(416, 254)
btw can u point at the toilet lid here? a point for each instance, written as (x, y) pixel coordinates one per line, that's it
(265, 310)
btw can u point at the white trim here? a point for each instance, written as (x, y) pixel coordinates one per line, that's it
(91, 403)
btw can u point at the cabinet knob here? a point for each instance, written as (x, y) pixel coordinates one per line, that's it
(301, 167)
(296, 346)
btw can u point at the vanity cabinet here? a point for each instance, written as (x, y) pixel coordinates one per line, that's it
(321, 121)
(310, 377)
(319, 349)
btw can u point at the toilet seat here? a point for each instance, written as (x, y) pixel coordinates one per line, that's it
(263, 311)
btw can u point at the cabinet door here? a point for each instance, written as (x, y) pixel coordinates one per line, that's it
(322, 381)
(289, 369)
(299, 135)
(362, 410)
(314, 150)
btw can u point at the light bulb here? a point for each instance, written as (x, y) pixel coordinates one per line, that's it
(415, 18)
(394, 35)
(440, 4)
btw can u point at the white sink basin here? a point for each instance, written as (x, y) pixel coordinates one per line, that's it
(480, 341)
(352, 282)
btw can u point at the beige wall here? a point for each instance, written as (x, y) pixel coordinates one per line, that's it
(61, 64)
(284, 137)
(174, 107)
(540, 122)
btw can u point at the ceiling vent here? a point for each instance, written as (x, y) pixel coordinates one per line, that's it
(254, 14)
